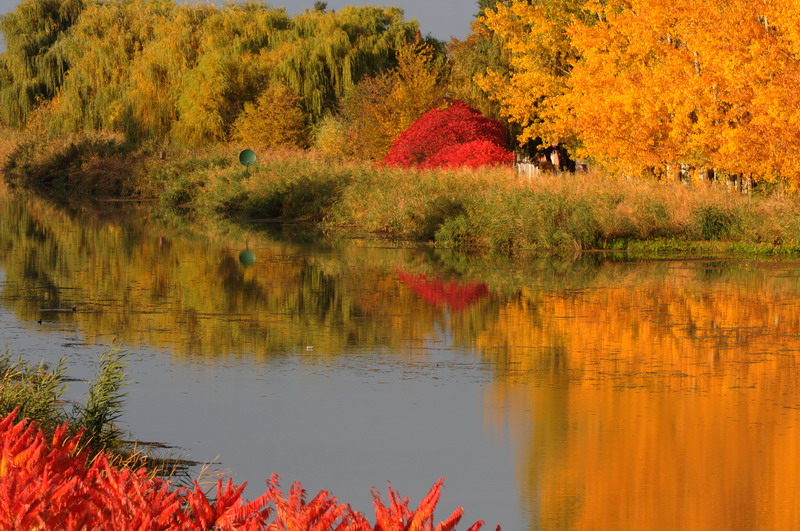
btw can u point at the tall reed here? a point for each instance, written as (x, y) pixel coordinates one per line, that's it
(37, 391)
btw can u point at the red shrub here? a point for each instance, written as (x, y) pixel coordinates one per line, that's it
(470, 154)
(49, 485)
(439, 129)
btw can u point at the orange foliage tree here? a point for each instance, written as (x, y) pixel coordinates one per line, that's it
(275, 120)
(647, 86)
(379, 108)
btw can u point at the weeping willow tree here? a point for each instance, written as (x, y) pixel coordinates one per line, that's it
(317, 54)
(228, 71)
(324, 54)
(34, 63)
(157, 74)
(158, 70)
(102, 47)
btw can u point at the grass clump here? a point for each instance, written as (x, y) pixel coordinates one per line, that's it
(713, 222)
(37, 391)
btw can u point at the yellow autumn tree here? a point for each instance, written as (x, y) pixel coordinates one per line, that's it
(645, 87)
(540, 56)
(703, 85)
(276, 119)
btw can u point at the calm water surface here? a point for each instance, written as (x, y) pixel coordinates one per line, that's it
(598, 393)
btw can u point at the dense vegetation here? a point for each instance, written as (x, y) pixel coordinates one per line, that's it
(489, 208)
(163, 71)
(49, 482)
(642, 88)
(147, 98)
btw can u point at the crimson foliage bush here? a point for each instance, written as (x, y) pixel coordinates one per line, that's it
(463, 133)
(470, 154)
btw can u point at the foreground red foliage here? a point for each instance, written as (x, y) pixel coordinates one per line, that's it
(49, 483)
(438, 293)
(456, 136)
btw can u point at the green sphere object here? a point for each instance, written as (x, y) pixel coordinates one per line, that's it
(247, 157)
(247, 257)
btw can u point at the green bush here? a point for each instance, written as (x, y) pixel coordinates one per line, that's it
(714, 223)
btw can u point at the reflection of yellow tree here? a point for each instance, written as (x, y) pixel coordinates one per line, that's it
(669, 404)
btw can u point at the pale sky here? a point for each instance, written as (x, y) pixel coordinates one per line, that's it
(441, 18)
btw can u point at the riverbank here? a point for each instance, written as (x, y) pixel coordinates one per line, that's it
(486, 208)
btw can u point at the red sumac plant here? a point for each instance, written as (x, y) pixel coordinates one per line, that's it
(445, 129)
(50, 483)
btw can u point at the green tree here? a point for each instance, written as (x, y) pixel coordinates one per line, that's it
(323, 55)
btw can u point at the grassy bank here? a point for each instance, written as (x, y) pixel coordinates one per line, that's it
(490, 208)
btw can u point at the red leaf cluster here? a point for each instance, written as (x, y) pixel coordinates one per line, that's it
(438, 293)
(456, 136)
(50, 484)
(472, 155)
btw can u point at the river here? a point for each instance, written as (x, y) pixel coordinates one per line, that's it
(592, 392)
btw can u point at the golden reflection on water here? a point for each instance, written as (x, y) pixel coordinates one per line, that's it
(652, 395)
(669, 401)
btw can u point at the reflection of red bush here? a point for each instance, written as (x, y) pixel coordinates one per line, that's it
(438, 293)
(49, 483)
(458, 125)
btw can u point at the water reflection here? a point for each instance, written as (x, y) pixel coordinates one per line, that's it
(659, 401)
(651, 394)
(194, 295)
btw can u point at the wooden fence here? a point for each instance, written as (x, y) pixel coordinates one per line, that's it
(527, 169)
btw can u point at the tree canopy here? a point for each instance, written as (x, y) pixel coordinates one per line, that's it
(646, 86)
(34, 62)
(155, 69)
